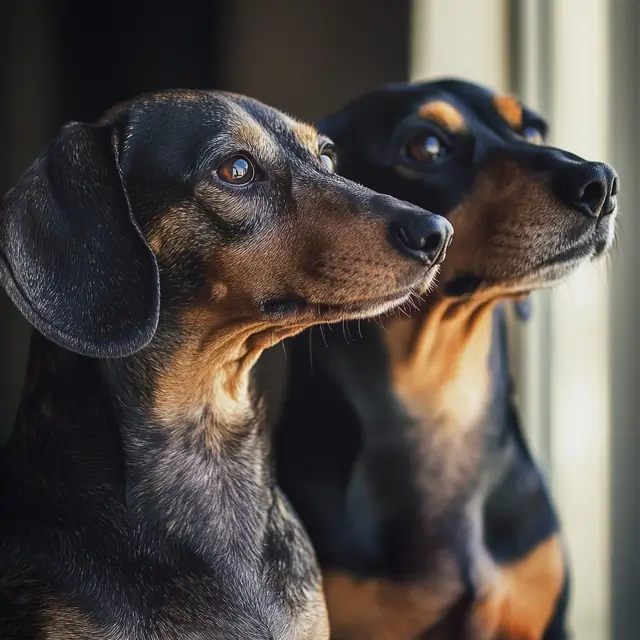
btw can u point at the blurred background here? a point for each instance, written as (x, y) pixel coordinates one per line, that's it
(576, 61)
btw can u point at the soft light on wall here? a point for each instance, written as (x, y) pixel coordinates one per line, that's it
(580, 399)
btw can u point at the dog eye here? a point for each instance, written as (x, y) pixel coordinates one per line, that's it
(426, 148)
(532, 135)
(329, 159)
(236, 170)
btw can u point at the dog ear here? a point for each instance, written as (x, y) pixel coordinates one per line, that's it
(524, 309)
(72, 257)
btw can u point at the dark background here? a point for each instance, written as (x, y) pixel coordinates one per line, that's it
(72, 59)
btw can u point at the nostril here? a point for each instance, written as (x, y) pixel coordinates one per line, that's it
(433, 243)
(587, 187)
(410, 241)
(615, 187)
(593, 196)
(424, 237)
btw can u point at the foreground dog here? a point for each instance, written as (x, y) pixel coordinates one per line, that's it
(158, 252)
(402, 451)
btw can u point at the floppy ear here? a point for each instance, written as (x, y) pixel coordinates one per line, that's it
(72, 257)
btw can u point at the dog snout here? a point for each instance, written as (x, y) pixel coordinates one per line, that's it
(588, 187)
(421, 235)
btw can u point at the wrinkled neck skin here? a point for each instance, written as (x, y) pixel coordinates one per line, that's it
(170, 437)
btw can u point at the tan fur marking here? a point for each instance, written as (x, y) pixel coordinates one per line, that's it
(64, 622)
(522, 603)
(250, 134)
(210, 373)
(307, 135)
(253, 137)
(435, 362)
(510, 109)
(378, 609)
(313, 622)
(444, 114)
(439, 364)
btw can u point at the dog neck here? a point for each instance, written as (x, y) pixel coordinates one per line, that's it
(439, 361)
(172, 434)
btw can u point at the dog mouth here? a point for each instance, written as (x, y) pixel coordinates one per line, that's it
(577, 253)
(298, 308)
(548, 271)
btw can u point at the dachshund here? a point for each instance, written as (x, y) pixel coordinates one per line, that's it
(157, 252)
(401, 448)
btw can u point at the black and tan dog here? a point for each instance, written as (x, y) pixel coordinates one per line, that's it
(402, 451)
(158, 252)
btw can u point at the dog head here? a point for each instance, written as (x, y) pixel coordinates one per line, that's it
(188, 202)
(525, 214)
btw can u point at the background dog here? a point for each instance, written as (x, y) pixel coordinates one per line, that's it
(400, 447)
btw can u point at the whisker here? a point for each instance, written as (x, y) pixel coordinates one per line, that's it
(195, 322)
(349, 331)
(324, 338)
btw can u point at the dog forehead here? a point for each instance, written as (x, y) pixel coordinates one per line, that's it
(189, 124)
(289, 133)
(459, 106)
(451, 98)
(214, 109)
(483, 106)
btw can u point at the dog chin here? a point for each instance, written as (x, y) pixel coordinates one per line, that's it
(558, 267)
(376, 306)
(546, 276)
(427, 284)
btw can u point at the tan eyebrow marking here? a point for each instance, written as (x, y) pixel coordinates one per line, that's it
(307, 135)
(510, 109)
(444, 114)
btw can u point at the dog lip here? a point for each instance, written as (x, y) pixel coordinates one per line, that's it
(369, 302)
(580, 251)
(280, 306)
(296, 305)
(570, 258)
(292, 307)
(467, 284)
(368, 307)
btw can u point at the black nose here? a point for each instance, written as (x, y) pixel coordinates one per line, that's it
(589, 187)
(421, 235)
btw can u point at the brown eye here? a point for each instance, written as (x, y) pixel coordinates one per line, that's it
(329, 159)
(426, 148)
(236, 170)
(532, 135)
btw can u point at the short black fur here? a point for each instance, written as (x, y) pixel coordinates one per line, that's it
(137, 495)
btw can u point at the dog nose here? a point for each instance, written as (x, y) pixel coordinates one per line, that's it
(589, 187)
(424, 236)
